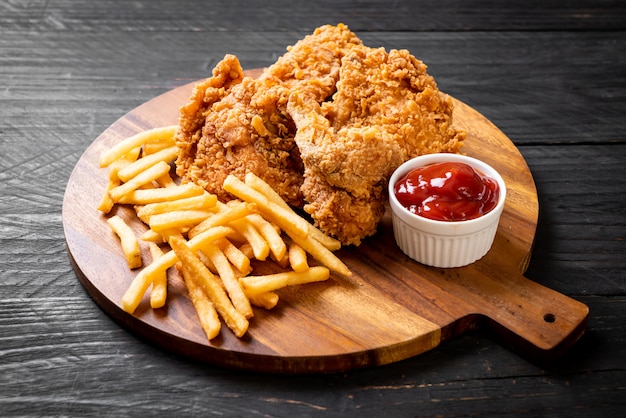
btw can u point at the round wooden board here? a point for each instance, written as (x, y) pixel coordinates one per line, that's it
(391, 308)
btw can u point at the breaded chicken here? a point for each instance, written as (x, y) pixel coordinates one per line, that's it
(235, 124)
(325, 126)
(386, 110)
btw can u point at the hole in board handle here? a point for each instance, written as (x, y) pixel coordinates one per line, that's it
(549, 317)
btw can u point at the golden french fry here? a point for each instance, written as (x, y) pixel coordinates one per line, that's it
(130, 244)
(147, 176)
(225, 215)
(282, 262)
(148, 186)
(260, 247)
(261, 186)
(207, 262)
(158, 295)
(266, 300)
(106, 203)
(255, 285)
(269, 233)
(209, 321)
(235, 256)
(322, 254)
(201, 202)
(298, 258)
(145, 277)
(247, 250)
(166, 181)
(152, 236)
(163, 194)
(229, 280)
(128, 158)
(211, 286)
(177, 219)
(150, 148)
(327, 241)
(222, 237)
(264, 188)
(273, 212)
(137, 140)
(166, 155)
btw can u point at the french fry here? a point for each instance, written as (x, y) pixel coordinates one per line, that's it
(166, 155)
(178, 219)
(106, 203)
(150, 148)
(229, 280)
(207, 262)
(261, 186)
(235, 256)
(246, 249)
(298, 258)
(256, 285)
(166, 181)
(225, 215)
(158, 295)
(138, 287)
(147, 176)
(130, 244)
(272, 237)
(137, 140)
(222, 238)
(260, 247)
(201, 202)
(163, 194)
(282, 262)
(209, 320)
(152, 236)
(322, 254)
(266, 300)
(285, 219)
(190, 262)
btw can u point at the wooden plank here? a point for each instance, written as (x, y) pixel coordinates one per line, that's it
(418, 306)
(539, 88)
(286, 15)
(64, 80)
(66, 338)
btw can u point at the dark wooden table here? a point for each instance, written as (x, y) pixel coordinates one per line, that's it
(550, 74)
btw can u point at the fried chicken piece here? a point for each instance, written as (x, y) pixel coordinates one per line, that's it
(235, 124)
(334, 154)
(386, 110)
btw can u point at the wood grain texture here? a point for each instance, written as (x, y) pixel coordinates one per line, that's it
(391, 309)
(68, 70)
(284, 15)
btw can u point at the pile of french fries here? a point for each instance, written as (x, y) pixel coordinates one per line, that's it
(210, 243)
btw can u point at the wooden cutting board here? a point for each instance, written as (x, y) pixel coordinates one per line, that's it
(391, 308)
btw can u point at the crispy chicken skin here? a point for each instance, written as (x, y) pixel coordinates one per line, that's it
(386, 110)
(235, 124)
(325, 126)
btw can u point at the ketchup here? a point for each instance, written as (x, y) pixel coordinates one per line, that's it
(449, 191)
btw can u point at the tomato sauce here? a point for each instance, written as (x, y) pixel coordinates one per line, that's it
(449, 191)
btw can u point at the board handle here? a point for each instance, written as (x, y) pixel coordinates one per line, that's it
(532, 319)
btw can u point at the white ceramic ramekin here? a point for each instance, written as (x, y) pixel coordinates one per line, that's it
(444, 243)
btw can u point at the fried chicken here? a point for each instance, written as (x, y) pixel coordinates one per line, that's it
(325, 126)
(386, 110)
(235, 124)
